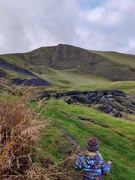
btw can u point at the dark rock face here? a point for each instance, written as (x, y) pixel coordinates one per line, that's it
(113, 102)
(30, 82)
(6, 65)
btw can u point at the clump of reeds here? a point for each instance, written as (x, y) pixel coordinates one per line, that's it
(19, 132)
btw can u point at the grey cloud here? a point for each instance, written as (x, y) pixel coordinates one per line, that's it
(109, 27)
(29, 24)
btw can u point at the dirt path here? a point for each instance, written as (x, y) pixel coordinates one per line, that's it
(76, 147)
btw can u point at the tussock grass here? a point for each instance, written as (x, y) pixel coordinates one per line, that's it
(19, 134)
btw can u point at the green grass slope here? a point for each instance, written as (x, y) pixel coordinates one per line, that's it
(66, 62)
(119, 58)
(116, 138)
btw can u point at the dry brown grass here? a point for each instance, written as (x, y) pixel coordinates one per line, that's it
(19, 132)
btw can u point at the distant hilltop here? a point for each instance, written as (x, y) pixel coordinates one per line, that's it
(41, 63)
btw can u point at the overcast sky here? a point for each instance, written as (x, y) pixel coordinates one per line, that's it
(104, 25)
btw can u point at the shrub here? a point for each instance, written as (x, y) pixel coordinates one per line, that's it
(19, 133)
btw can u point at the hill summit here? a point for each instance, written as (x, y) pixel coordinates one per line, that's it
(112, 66)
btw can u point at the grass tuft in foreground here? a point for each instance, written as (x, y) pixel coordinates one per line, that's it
(19, 134)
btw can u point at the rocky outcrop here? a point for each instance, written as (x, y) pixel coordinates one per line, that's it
(113, 102)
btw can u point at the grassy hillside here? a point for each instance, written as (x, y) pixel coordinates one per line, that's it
(65, 64)
(67, 130)
(69, 127)
(125, 59)
(71, 68)
(113, 66)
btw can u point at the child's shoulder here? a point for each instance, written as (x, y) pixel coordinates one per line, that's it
(94, 156)
(90, 155)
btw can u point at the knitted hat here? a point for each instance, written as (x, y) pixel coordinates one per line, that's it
(92, 145)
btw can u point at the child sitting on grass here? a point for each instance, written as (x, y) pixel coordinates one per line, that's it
(92, 163)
